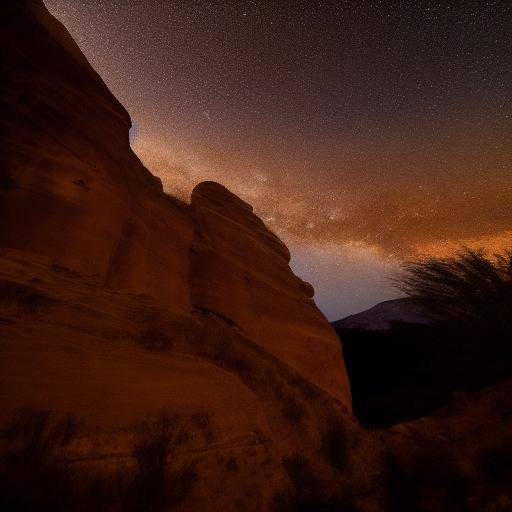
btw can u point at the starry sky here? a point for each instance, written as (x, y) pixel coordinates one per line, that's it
(362, 132)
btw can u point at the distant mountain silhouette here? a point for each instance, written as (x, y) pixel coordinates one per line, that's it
(383, 316)
(403, 364)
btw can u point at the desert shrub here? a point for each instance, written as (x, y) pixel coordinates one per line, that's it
(468, 289)
(24, 298)
(468, 298)
(153, 487)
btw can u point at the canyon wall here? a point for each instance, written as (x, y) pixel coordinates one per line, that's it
(118, 302)
(74, 195)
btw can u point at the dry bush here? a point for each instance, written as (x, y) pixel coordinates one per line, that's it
(470, 291)
(153, 486)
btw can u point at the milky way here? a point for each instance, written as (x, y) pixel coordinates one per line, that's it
(361, 132)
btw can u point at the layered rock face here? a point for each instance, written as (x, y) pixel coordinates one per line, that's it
(74, 195)
(240, 271)
(73, 192)
(118, 302)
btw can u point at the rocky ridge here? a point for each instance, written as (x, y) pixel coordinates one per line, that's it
(120, 305)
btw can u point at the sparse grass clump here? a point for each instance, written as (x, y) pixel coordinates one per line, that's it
(38, 473)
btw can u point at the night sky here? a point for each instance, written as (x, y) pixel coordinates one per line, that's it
(362, 132)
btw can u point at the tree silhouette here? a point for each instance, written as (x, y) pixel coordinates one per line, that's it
(470, 291)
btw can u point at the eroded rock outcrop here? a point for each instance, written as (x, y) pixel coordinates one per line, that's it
(74, 195)
(240, 271)
(118, 302)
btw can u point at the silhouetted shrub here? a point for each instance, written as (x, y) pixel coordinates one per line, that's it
(466, 346)
(152, 487)
(468, 289)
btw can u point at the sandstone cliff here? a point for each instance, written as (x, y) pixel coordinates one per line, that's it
(118, 302)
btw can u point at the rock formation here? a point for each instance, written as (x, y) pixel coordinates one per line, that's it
(118, 302)
(240, 271)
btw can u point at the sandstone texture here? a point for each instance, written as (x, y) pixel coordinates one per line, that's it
(240, 271)
(120, 304)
